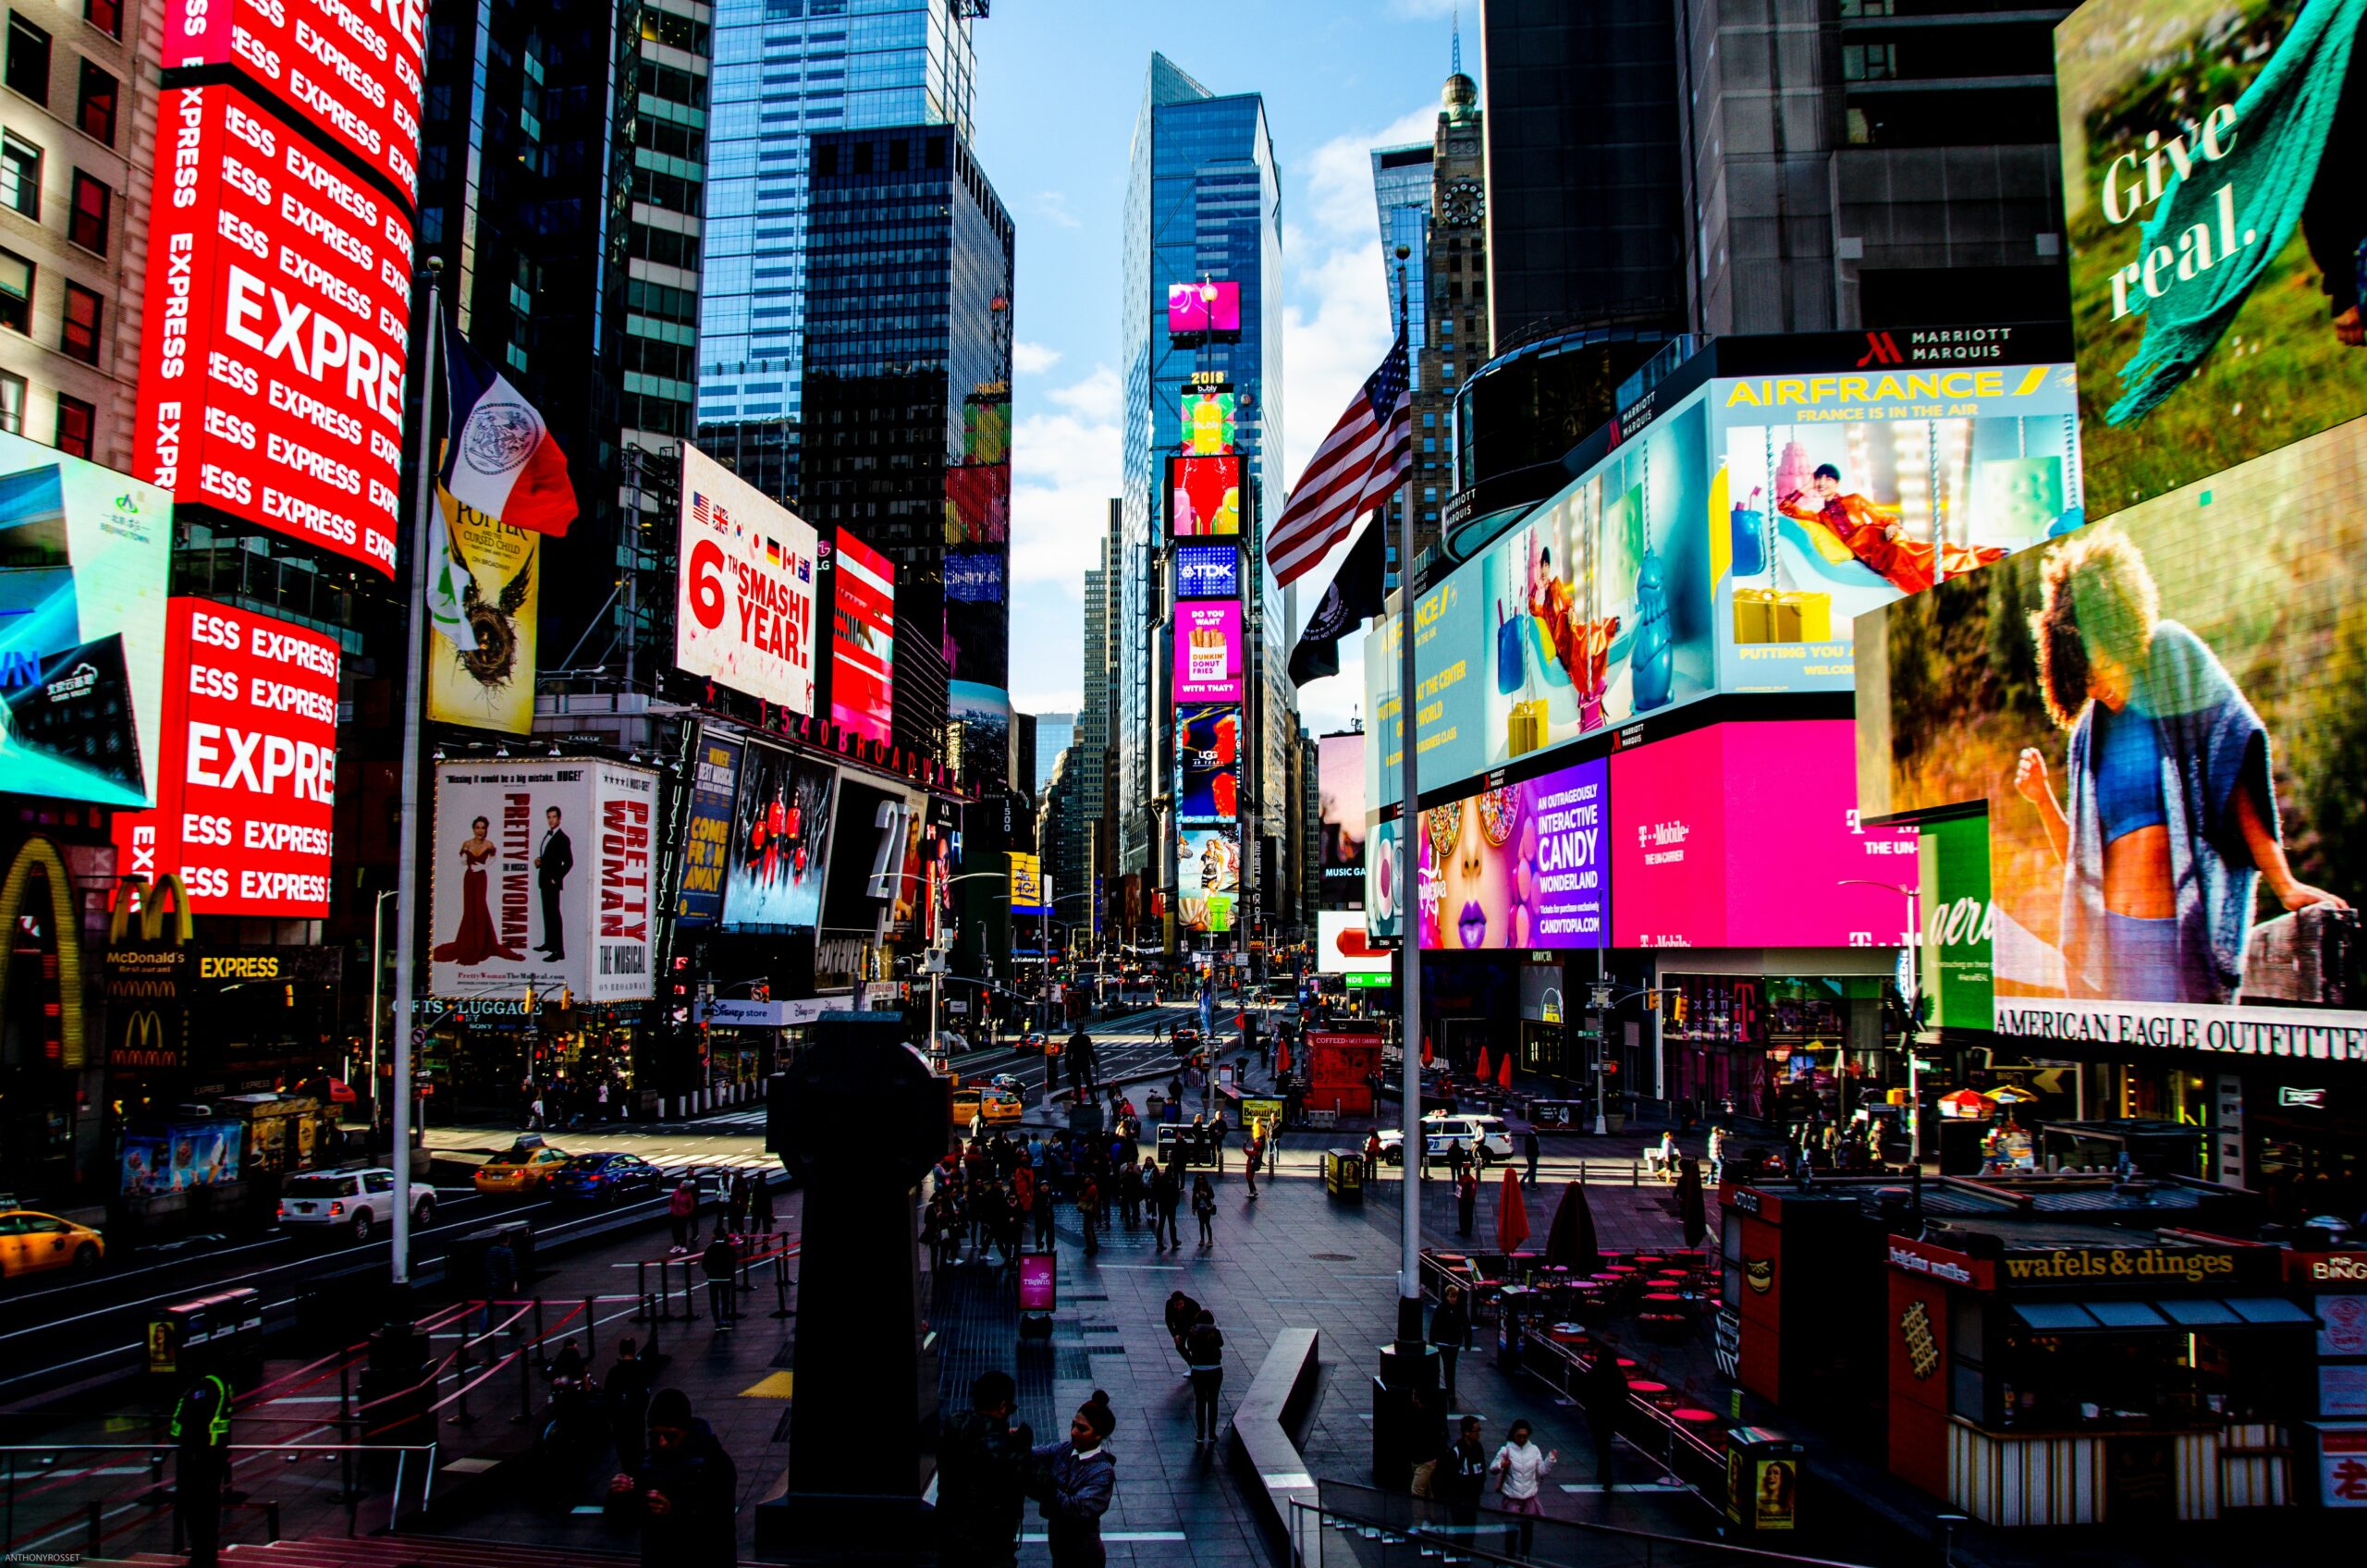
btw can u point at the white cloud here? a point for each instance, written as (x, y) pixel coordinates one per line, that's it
(1423, 10)
(1328, 705)
(1339, 173)
(1033, 359)
(1097, 397)
(1053, 205)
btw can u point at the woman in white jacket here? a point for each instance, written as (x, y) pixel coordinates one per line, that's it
(1519, 1467)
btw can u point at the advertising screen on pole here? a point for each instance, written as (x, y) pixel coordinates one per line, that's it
(279, 300)
(1340, 799)
(2165, 716)
(83, 552)
(1747, 835)
(2214, 242)
(1208, 763)
(351, 69)
(1841, 493)
(1208, 571)
(863, 641)
(1341, 946)
(542, 878)
(1206, 427)
(744, 610)
(246, 793)
(1207, 878)
(1204, 495)
(1207, 650)
(1210, 306)
(706, 848)
(1520, 866)
(780, 839)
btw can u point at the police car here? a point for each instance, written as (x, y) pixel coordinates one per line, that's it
(1481, 1136)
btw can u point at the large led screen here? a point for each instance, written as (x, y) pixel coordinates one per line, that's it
(352, 70)
(2213, 240)
(863, 643)
(1204, 495)
(83, 552)
(1208, 571)
(1748, 835)
(1841, 493)
(1520, 866)
(1208, 878)
(1382, 895)
(1207, 427)
(706, 848)
(1207, 764)
(744, 611)
(2166, 716)
(1340, 799)
(246, 796)
(1207, 650)
(1208, 306)
(780, 840)
(275, 329)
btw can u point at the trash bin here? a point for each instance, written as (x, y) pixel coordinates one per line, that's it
(1343, 1173)
(1154, 1105)
(1763, 1474)
(220, 1333)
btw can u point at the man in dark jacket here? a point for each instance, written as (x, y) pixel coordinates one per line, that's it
(719, 1262)
(684, 1494)
(202, 1433)
(626, 1393)
(982, 1470)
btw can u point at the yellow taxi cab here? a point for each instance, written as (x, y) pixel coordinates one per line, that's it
(31, 1242)
(990, 1106)
(519, 1169)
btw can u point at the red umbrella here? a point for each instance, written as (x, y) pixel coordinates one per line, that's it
(1504, 1071)
(1486, 1072)
(1426, 1051)
(1283, 1061)
(1512, 1215)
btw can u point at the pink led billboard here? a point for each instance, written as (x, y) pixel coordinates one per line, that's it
(1207, 306)
(1742, 836)
(1207, 650)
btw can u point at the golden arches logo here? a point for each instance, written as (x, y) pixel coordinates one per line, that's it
(151, 913)
(39, 856)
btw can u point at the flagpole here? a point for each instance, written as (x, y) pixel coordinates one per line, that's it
(407, 850)
(1411, 1145)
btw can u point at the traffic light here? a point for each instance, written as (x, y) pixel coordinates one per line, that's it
(1676, 1007)
(1652, 1001)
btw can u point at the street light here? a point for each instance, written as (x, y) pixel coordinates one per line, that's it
(377, 973)
(1910, 977)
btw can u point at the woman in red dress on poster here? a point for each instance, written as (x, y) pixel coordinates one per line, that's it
(478, 938)
(1872, 533)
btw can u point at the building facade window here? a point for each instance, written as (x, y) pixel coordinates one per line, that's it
(93, 200)
(12, 403)
(16, 291)
(104, 14)
(77, 338)
(21, 175)
(27, 66)
(78, 426)
(96, 110)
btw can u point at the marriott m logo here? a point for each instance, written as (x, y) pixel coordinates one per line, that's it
(1880, 350)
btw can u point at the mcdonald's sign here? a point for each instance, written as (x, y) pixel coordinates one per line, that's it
(147, 976)
(37, 857)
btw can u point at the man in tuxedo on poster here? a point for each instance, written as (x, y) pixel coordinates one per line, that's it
(552, 863)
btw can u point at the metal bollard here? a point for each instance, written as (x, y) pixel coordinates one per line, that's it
(345, 1389)
(591, 1331)
(271, 1522)
(780, 1287)
(525, 1392)
(93, 1535)
(690, 1294)
(641, 1290)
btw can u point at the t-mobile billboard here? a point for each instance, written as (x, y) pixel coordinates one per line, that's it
(271, 372)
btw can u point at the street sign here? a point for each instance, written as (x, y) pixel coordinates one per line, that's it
(419, 1037)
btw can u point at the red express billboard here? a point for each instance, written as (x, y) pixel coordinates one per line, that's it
(248, 776)
(863, 645)
(271, 366)
(350, 67)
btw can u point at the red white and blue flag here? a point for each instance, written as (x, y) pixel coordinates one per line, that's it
(1368, 455)
(499, 459)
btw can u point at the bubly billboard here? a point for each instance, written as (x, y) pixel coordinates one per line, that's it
(246, 795)
(1207, 650)
(1521, 866)
(1747, 835)
(275, 338)
(352, 66)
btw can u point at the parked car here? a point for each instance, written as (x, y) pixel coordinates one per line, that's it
(606, 1178)
(1011, 1083)
(31, 1242)
(352, 1202)
(1483, 1136)
(520, 1170)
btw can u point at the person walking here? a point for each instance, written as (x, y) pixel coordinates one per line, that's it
(760, 1204)
(1163, 1204)
(1130, 1192)
(1520, 1469)
(681, 1213)
(200, 1433)
(1218, 1132)
(1458, 1160)
(1529, 1152)
(1466, 1201)
(1204, 1209)
(1088, 1214)
(1039, 1210)
(1451, 1331)
(1079, 1479)
(719, 1262)
(499, 1271)
(1253, 1155)
(982, 1463)
(1204, 1353)
(1372, 1155)
(1463, 1475)
(684, 1493)
(743, 1203)
(1717, 1155)
(626, 1394)
(1606, 1397)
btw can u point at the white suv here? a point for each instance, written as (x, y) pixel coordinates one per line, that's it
(1481, 1136)
(355, 1202)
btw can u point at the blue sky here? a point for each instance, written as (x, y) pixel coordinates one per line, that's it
(1059, 85)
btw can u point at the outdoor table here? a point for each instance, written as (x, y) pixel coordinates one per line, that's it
(1694, 1414)
(1643, 1262)
(1644, 1388)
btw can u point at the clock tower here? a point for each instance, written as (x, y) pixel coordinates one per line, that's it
(1455, 277)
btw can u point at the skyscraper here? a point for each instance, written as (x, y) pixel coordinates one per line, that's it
(1401, 194)
(1203, 205)
(788, 71)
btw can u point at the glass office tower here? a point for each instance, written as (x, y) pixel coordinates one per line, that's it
(1203, 203)
(786, 70)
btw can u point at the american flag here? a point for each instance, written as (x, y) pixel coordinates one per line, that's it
(1365, 458)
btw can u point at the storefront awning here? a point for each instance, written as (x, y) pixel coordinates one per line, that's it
(2269, 1309)
(2236, 1313)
